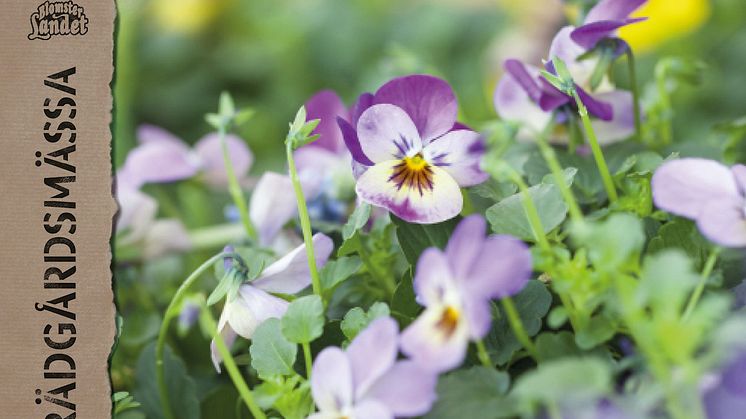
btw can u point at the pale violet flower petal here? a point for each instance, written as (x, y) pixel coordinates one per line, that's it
(723, 222)
(272, 205)
(502, 268)
(228, 335)
(371, 409)
(147, 133)
(568, 51)
(430, 202)
(161, 162)
(291, 274)
(406, 389)
(459, 153)
(331, 381)
(684, 186)
(464, 245)
(251, 308)
(622, 125)
(373, 352)
(513, 104)
(429, 102)
(209, 149)
(433, 277)
(433, 346)
(386, 132)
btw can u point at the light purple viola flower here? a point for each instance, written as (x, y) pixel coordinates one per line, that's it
(604, 20)
(162, 157)
(707, 192)
(410, 155)
(456, 286)
(254, 303)
(367, 382)
(272, 205)
(725, 397)
(137, 224)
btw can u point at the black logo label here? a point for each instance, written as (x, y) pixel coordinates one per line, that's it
(58, 17)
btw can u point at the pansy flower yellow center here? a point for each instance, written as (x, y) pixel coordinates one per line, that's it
(448, 321)
(414, 173)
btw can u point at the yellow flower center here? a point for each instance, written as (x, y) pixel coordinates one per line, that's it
(413, 172)
(448, 321)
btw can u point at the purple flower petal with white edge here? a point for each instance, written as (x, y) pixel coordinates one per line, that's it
(406, 389)
(684, 186)
(622, 125)
(412, 190)
(723, 221)
(386, 132)
(327, 107)
(272, 205)
(612, 10)
(290, 274)
(588, 35)
(459, 153)
(372, 353)
(429, 102)
(331, 381)
(210, 151)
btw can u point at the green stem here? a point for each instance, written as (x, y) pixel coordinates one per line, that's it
(518, 329)
(635, 93)
(307, 358)
(230, 365)
(235, 188)
(385, 280)
(531, 212)
(706, 271)
(482, 354)
(305, 221)
(554, 165)
(598, 155)
(665, 128)
(171, 312)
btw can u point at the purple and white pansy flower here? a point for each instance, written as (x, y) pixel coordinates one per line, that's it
(162, 157)
(254, 302)
(366, 381)
(411, 156)
(524, 96)
(456, 287)
(708, 192)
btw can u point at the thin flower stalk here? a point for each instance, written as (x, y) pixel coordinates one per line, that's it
(706, 271)
(235, 188)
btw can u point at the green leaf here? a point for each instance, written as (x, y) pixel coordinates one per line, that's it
(599, 329)
(337, 271)
(614, 243)
(271, 353)
(357, 220)
(509, 216)
(568, 382)
(494, 190)
(415, 238)
(681, 234)
(556, 345)
(357, 319)
(477, 392)
(182, 390)
(304, 320)
(403, 304)
(532, 304)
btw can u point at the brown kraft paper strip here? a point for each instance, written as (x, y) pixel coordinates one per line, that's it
(58, 318)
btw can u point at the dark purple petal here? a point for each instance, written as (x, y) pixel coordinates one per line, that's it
(429, 102)
(353, 144)
(521, 75)
(363, 102)
(327, 107)
(612, 10)
(588, 35)
(551, 98)
(597, 108)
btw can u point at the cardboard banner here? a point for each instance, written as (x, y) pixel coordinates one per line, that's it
(57, 324)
